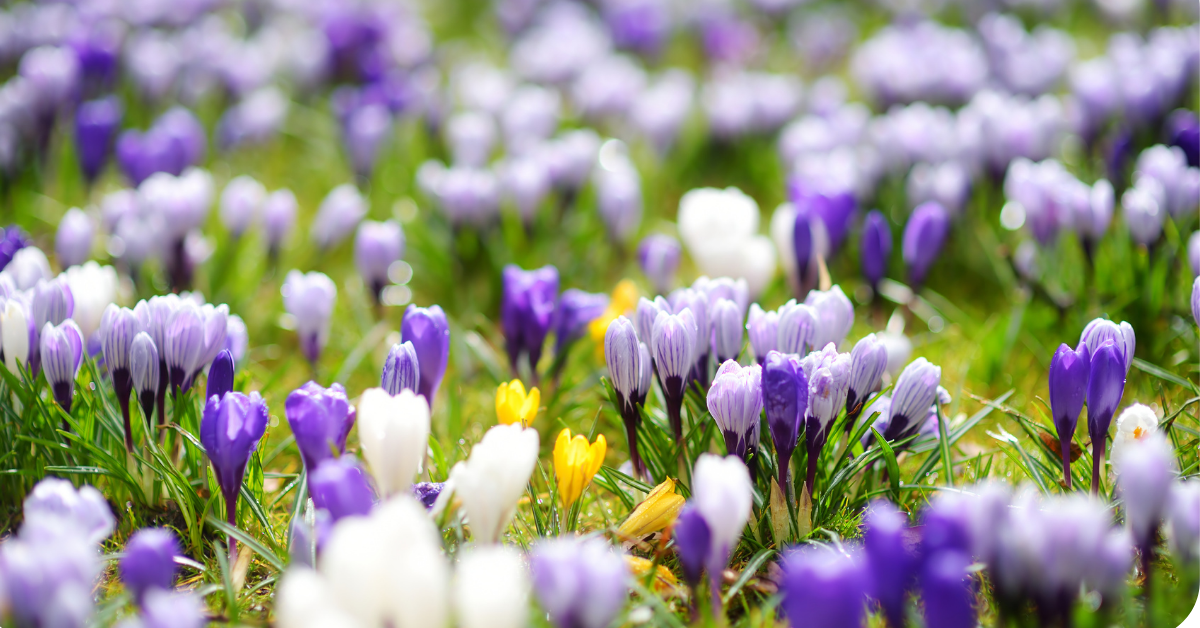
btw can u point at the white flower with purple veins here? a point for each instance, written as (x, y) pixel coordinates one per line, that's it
(647, 313)
(916, 390)
(798, 328)
(241, 201)
(727, 330)
(1100, 331)
(341, 211)
(828, 375)
(735, 401)
(868, 360)
(835, 315)
(309, 298)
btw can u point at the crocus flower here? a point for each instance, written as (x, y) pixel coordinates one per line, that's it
(51, 302)
(658, 256)
(575, 310)
(377, 245)
(241, 201)
(149, 561)
(736, 401)
(491, 588)
(278, 216)
(19, 334)
(828, 374)
(230, 430)
(727, 330)
(118, 329)
(673, 347)
(785, 399)
(693, 542)
(220, 375)
(401, 369)
(1147, 471)
(915, 391)
(526, 311)
(722, 492)
(340, 486)
(320, 419)
(73, 240)
(622, 353)
(62, 355)
(892, 564)
(834, 314)
(236, 337)
(93, 288)
(12, 239)
(340, 212)
(428, 492)
(924, 235)
(310, 298)
(166, 609)
(575, 463)
(28, 266)
(1183, 521)
(96, 124)
(426, 328)
(1068, 388)
(183, 342)
(394, 433)
(763, 329)
(824, 588)
(143, 371)
(798, 328)
(1102, 330)
(696, 302)
(56, 504)
(948, 592)
(493, 478)
(579, 583)
(1106, 385)
(868, 361)
(1136, 423)
(655, 513)
(719, 229)
(513, 405)
(876, 247)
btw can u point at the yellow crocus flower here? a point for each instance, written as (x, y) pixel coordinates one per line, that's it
(658, 511)
(514, 405)
(664, 581)
(623, 300)
(575, 463)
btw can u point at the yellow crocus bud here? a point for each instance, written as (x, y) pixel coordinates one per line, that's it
(658, 511)
(513, 405)
(664, 581)
(624, 297)
(575, 463)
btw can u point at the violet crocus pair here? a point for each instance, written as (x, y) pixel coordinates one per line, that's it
(526, 312)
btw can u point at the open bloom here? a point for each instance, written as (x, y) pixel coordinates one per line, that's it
(513, 405)
(735, 401)
(493, 478)
(394, 432)
(575, 463)
(656, 512)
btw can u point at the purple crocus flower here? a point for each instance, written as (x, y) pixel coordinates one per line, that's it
(824, 588)
(73, 240)
(377, 246)
(625, 361)
(427, 492)
(835, 211)
(1100, 330)
(1068, 389)
(62, 354)
(310, 299)
(143, 374)
(924, 236)
(526, 311)
(736, 401)
(828, 374)
(320, 419)
(693, 541)
(916, 390)
(1184, 129)
(96, 124)
(785, 399)
(149, 561)
(806, 239)
(51, 302)
(763, 329)
(579, 583)
(673, 343)
(876, 247)
(947, 591)
(340, 486)
(118, 327)
(428, 331)
(220, 376)
(279, 216)
(363, 132)
(230, 429)
(575, 310)
(340, 212)
(401, 369)
(1106, 385)
(1196, 301)
(12, 239)
(658, 255)
(868, 361)
(891, 561)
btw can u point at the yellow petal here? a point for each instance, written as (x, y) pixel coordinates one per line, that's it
(624, 297)
(664, 580)
(658, 511)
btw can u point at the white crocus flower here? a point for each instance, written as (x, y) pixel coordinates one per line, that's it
(494, 477)
(93, 287)
(491, 589)
(394, 432)
(15, 334)
(722, 492)
(720, 230)
(1136, 423)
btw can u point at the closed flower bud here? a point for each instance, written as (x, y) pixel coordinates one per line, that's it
(429, 332)
(493, 478)
(149, 561)
(310, 299)
(574, 311)
(491, 589)
(868, 361)
(763, 329)
(876, 246)
(1183, 521)
(674, 345)
(658, 255)
(320, 419)
(376, 247)
(236, 337)
(394, 433)
(828, 384)
(890, 560)
(736, 401)
(1144, 211)
(168, 609)
(27, 267)
(579, 583)
(241, 201)
(338, 215)
(727, 330)
(1101, 330)
(924, 235)
(697, 303)
(655, 513)
(117, 330)
(914, 393)
(722, 492)
(575, 463)
(96, 123)
(230, 429)
(143, 369)
(798, 329)
(1106, 385)
(526, 311)
(220, 376)
(340, 486)
(1196, 301)
(51, 302)
(693, 543)
(513, 405)
(621, 353)
(73, 240)
(948, 591)
(785, 399)
(619, 197)
(278, 215)
(183, 343)
(62, 355)
(19, 334)
(401, 369)
(647, 312)
(1068, 388)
